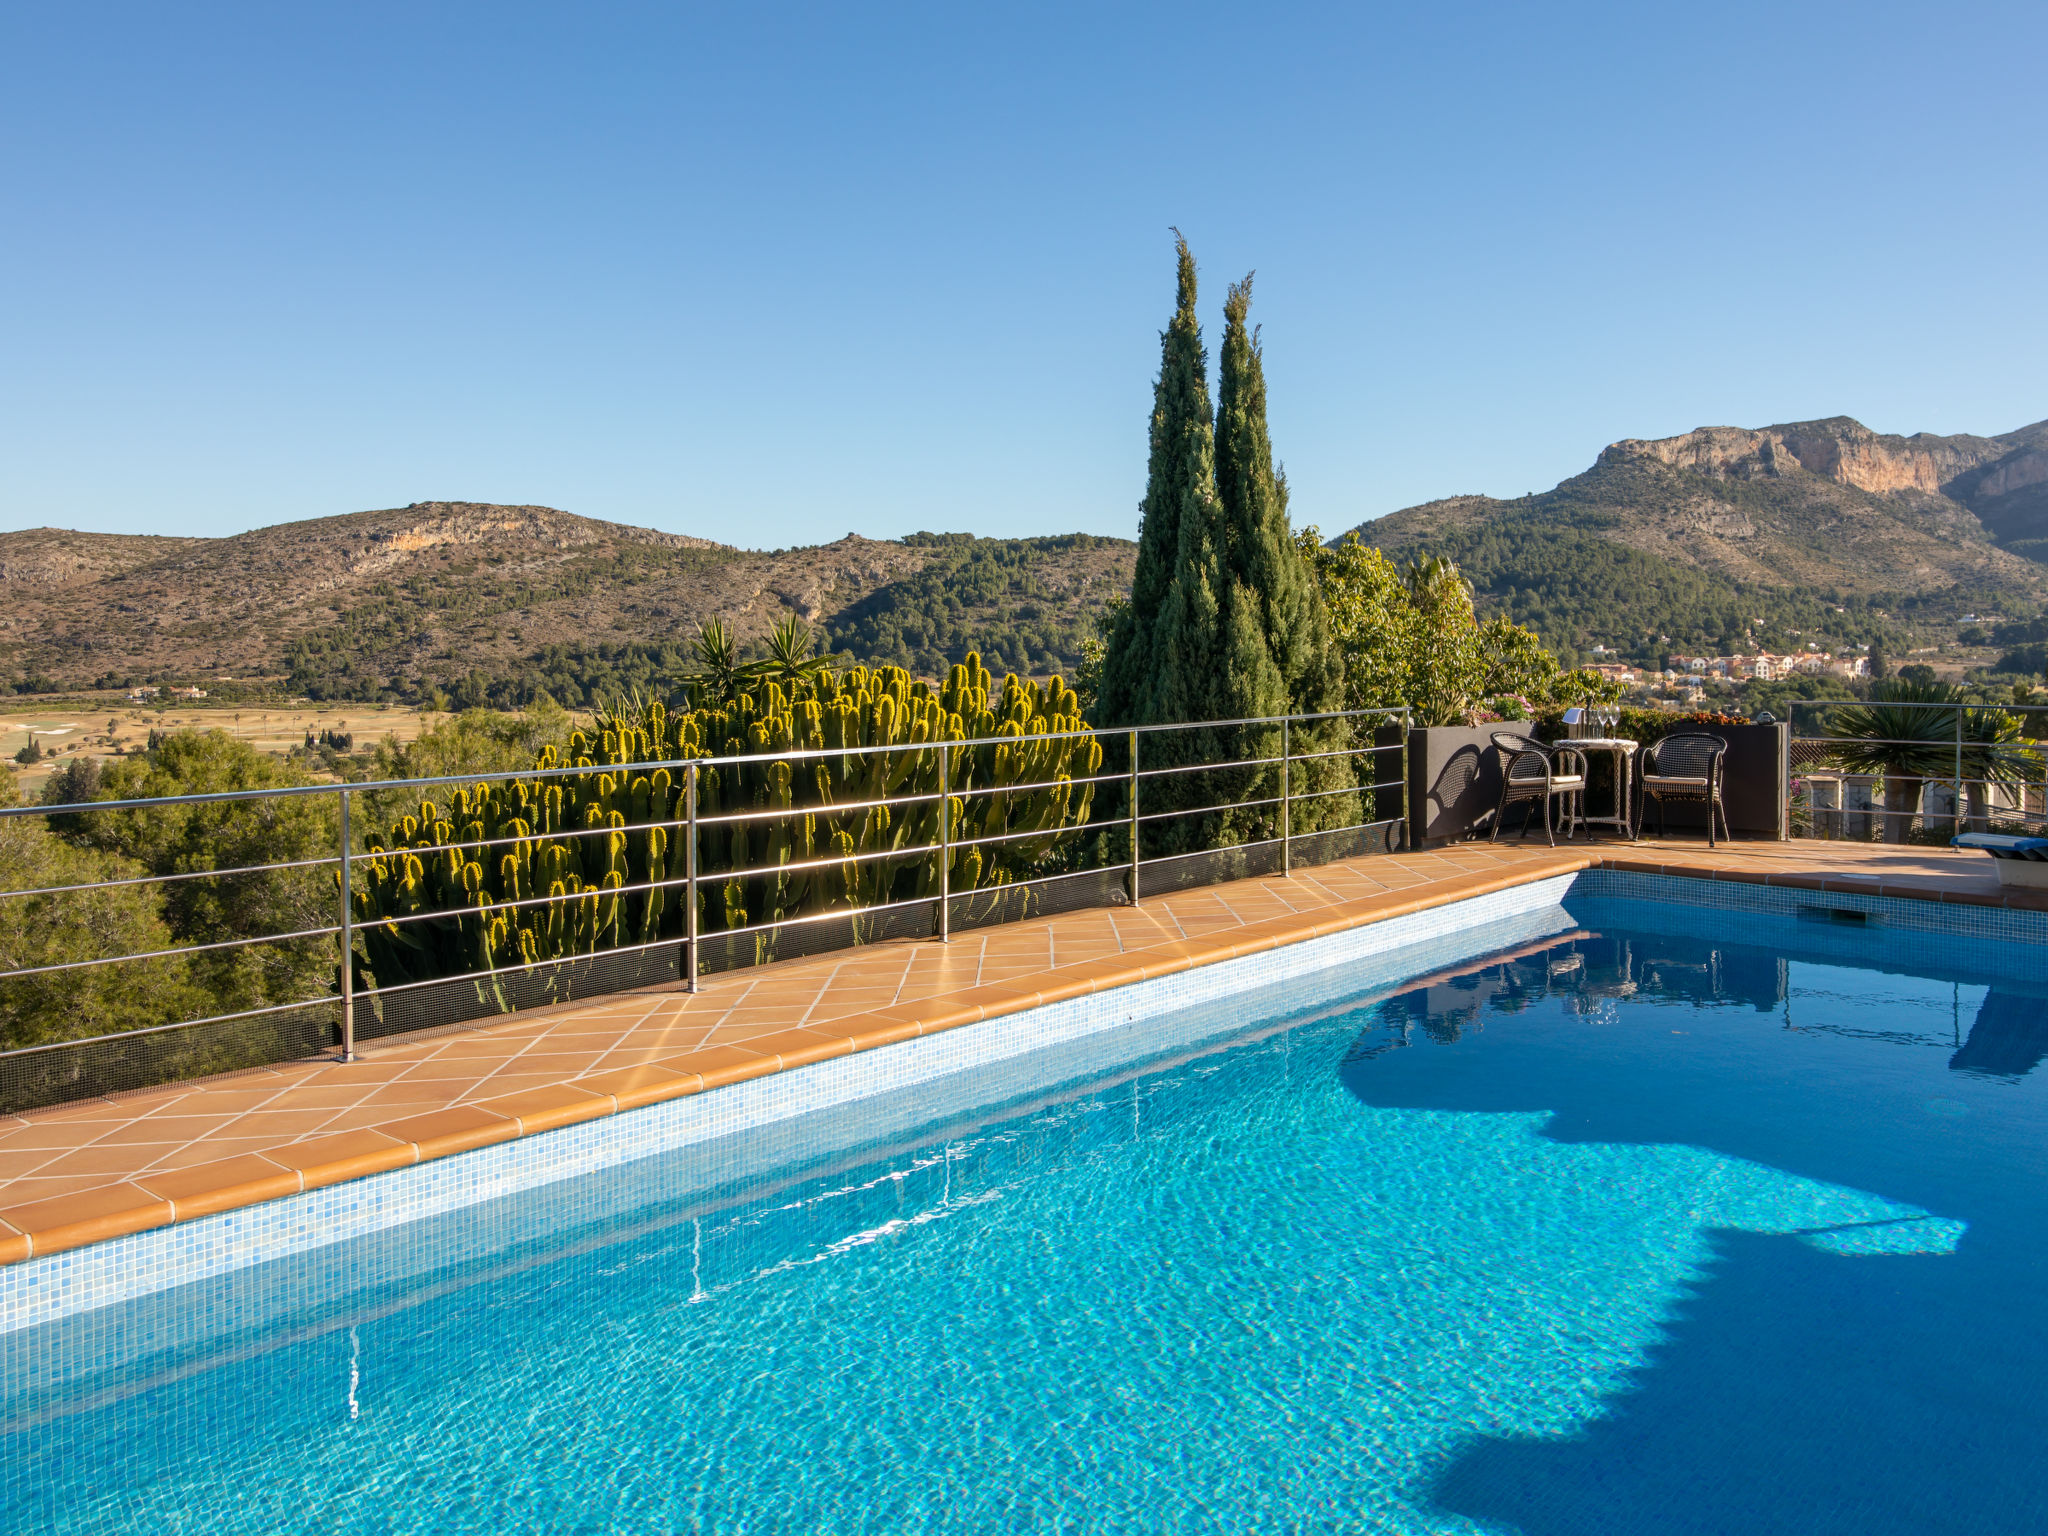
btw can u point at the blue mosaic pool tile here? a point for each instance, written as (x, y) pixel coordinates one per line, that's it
(851, 1089)
(101, 1274)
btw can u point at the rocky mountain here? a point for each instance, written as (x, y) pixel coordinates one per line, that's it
(503, 599)
(1726, 534)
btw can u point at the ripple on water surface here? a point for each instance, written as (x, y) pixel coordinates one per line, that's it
(1499, 1254)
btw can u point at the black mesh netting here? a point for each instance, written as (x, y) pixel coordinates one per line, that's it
(123, 1064)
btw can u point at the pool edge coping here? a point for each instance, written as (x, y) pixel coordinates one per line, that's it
(154, 1201)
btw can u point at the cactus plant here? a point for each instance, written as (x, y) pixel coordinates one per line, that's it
(781, 836)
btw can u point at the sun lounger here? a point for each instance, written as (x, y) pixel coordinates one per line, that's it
(2020, 860)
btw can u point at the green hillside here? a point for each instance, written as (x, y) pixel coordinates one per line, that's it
(1725, 539)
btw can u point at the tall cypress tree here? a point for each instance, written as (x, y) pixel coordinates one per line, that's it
(1271, 583)
(1281, 648)
(1225, 621)
(1180, 489)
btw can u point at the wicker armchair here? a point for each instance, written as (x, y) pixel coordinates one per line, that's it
(1686, 767)
(1529, 772)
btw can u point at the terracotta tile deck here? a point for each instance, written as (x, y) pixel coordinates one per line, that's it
(85, 1172)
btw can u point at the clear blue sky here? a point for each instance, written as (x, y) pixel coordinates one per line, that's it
(770, 273)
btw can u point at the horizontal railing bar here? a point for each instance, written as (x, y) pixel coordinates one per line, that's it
(375, 850)
(1245, 762)
(840, 914)
(1018, 789)
(1397, 712)
(158, 1029)
(1832, 746)
(163, 954)
(1210, 810)
(1348, 789)
(1198, 853)
(1929, 778)
(736, 818)
(1014, 837)
(1358, 826)
(194, 874)
(807, 754)
(474, 977)
(1307, 757)
(612, 892)
(1821, 704)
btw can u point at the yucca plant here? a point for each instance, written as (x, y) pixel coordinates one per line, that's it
(1909, 731)
(789, 660)
(719, 678)
(1903, 734)
(1995, 751)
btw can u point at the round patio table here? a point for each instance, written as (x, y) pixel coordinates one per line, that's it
(1624, 752)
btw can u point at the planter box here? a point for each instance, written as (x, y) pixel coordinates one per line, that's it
(1755, 776)
(1454, 779)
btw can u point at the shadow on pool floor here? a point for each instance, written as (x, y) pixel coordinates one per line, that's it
(1800, 1392)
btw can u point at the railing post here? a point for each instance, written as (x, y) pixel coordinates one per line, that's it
(1286, 802)
(945, 842)
(1134, 818)
(690, 882)
(1410, 840)
(1956, 804)
(348, 943)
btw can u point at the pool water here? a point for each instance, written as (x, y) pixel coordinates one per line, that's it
(1623, 1230)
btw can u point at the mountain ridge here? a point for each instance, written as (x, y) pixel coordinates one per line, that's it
(1837, 530)
(403, 601)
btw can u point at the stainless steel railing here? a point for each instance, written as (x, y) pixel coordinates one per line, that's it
(1132, 818)
(1992, 781)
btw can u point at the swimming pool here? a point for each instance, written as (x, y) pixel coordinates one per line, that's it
(1673, 1221)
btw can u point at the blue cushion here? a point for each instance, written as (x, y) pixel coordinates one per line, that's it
(2005, 845)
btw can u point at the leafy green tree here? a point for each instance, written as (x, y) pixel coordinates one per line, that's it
(227, 835)
(1446, 671)
(1224, 620)
(76, 782)
(1094, 651)
(1282, 656)
(1412, 637)
(475, 741)
(67, 926)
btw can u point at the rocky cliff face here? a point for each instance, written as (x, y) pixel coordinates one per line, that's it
(1702, 532)
(1840, 449)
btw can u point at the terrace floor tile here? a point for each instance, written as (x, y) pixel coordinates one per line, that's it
(332, 1121)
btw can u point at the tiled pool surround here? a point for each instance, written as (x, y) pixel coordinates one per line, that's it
(119, 1242)
(92, 1276)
